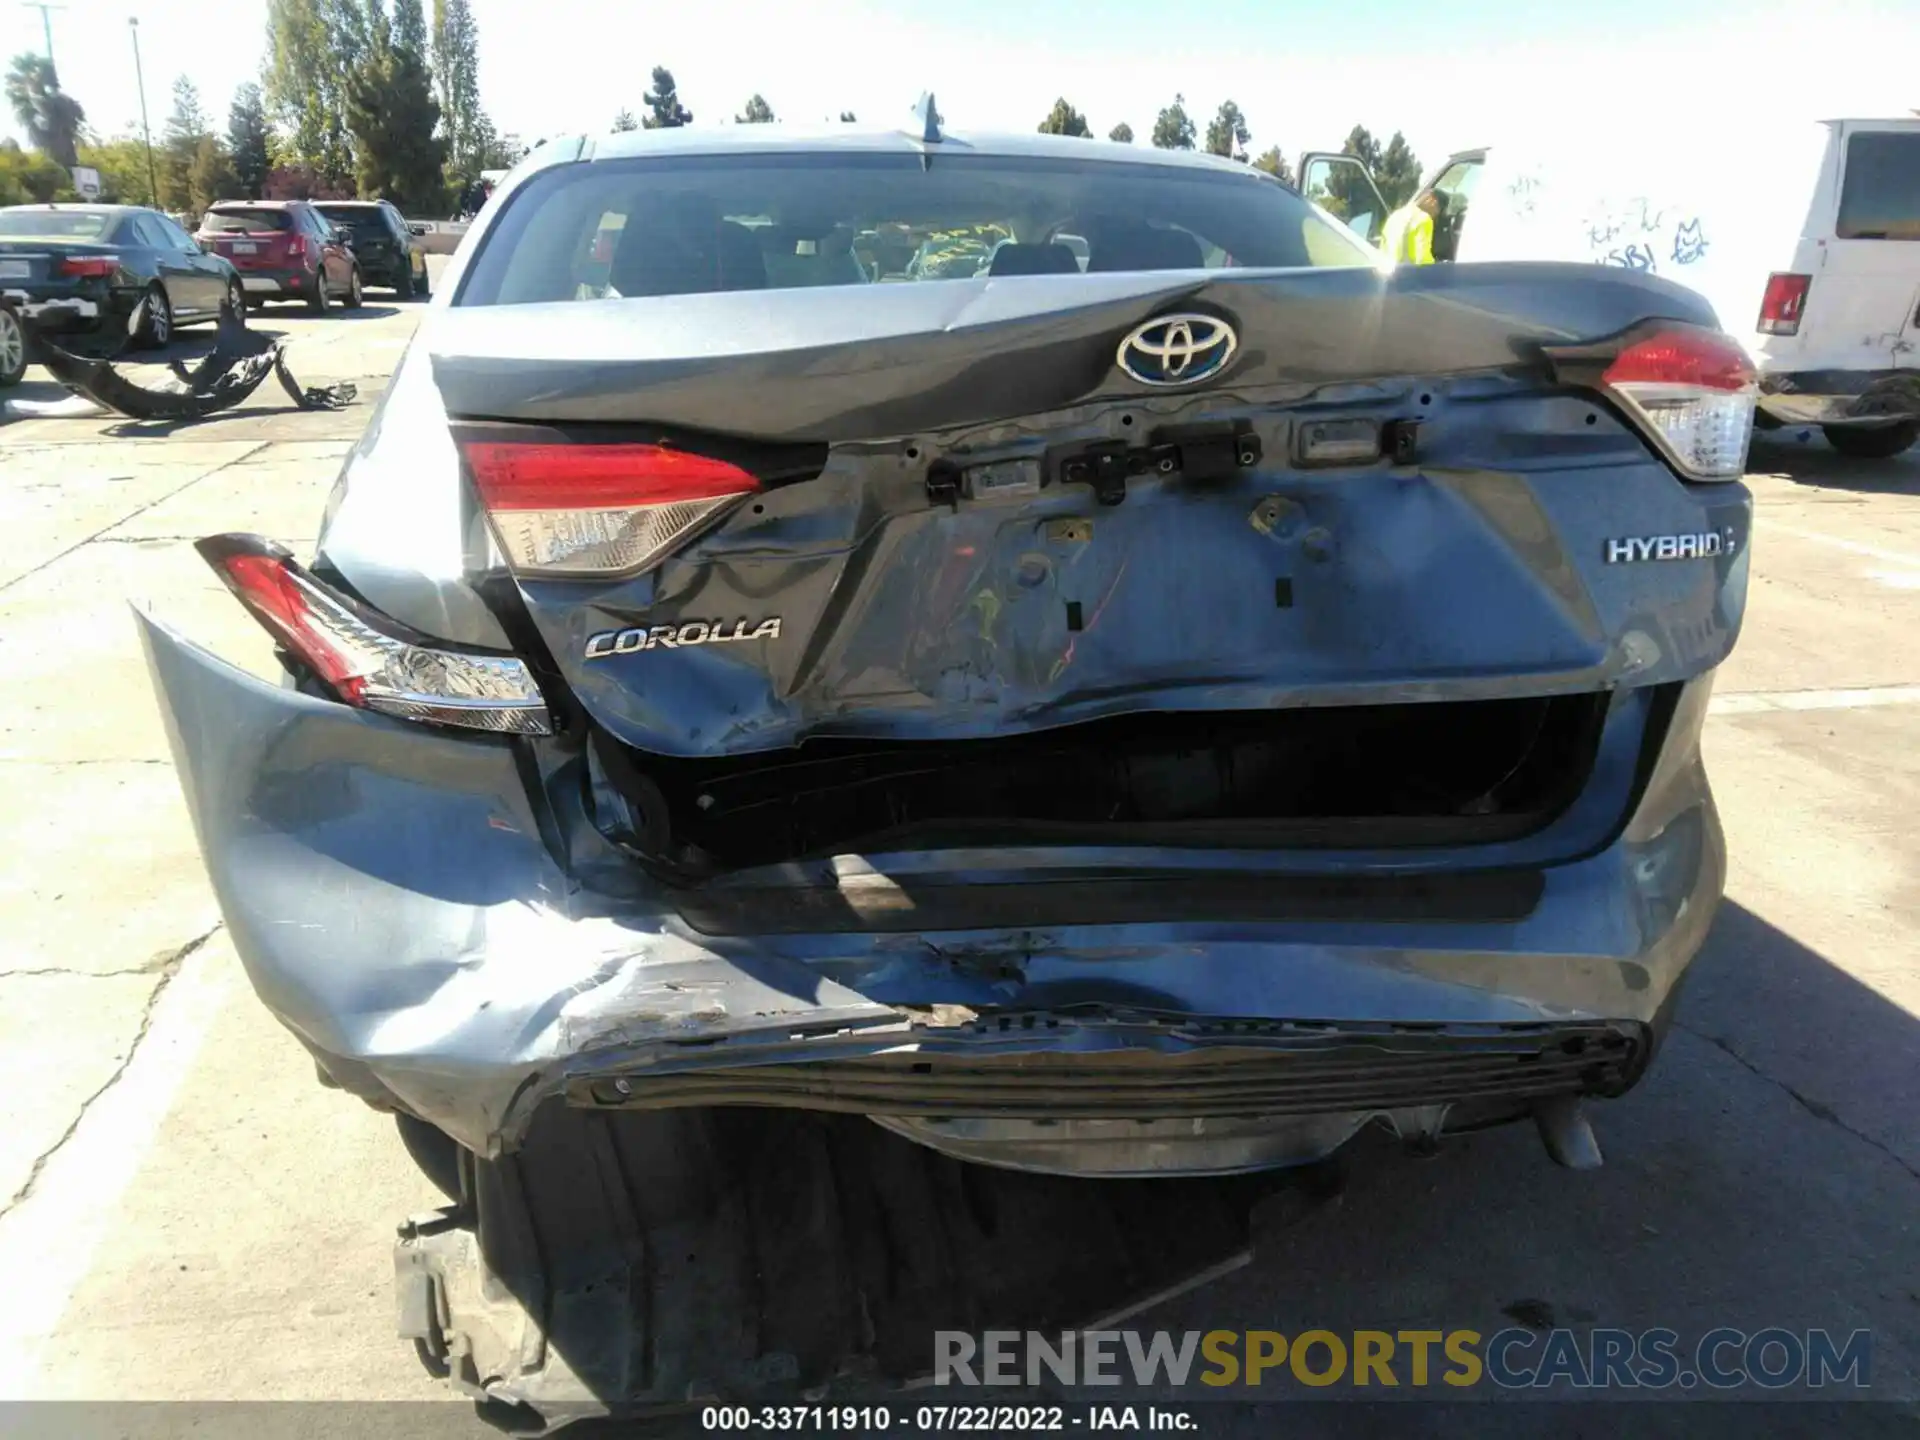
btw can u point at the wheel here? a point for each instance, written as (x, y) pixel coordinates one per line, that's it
(157, 329)
(317, 296)
(237, 299)
(352, 302)
(13, 348)
(403, 289)
(1872, 442)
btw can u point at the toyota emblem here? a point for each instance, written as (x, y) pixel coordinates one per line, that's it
(1177, 350)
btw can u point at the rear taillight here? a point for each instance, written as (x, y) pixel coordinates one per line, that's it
(89, 267)
(1689, 389)
(1694, 392)
(369, 661)
(296, 247)
(1783, 304)
(598, 510)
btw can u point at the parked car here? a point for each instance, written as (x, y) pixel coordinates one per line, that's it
(284, 250)
(74, 268)
(1151, 720)
(390, 254)
(1821, 281)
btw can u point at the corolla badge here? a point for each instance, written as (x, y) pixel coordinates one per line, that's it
(1177, 350)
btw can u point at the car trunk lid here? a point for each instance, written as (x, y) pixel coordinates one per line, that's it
(963, 524)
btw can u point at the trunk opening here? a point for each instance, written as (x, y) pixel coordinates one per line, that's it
(1435, 773)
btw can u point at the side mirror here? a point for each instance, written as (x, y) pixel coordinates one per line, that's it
(414, 227)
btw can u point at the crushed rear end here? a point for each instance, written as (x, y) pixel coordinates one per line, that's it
(922, 709)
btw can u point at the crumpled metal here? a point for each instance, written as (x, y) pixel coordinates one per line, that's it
(239, 364)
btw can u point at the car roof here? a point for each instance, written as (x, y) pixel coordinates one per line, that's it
(71, 207)
(780, 137)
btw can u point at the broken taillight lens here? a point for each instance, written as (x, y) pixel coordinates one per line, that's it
(369, 661)
(1689, 388)
(1694, 391)
(588, 510)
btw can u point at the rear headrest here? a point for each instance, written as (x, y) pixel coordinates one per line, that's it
(1141, 247)
(687, 260)
(1016, 259)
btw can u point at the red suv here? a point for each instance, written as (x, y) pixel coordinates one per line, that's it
(284, 250)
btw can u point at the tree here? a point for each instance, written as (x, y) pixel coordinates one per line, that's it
(624, 122)
(847, 118)
(1227, 132)
(51, 118)
(1173, 130)
(1063, 119)
(1275, 164)
(180, 141)
(247, 141)
(663, 103)
(456, 78)
(29, 178)
(1122, 132)
(1347, 195)
(211, 176)
(758, 112)
(393, 116)
(313, 49)
(122, 163)
(1398, 173)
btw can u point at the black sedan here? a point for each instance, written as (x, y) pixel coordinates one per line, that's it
(76, 268)
(389, 253)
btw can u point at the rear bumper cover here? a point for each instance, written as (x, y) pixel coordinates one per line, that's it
(390, 891)
(1841, 397)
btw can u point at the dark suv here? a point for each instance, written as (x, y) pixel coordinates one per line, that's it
(284, 250)
(388, 253)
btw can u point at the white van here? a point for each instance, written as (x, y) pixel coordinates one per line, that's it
(1804, 237)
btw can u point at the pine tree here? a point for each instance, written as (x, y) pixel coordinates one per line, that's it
(393, 116)
(758, 112)
(1063, 119)
(1121, 133)
(624, 122)
(247, 141)
(456, 79)
(1227, 132)
(1173, 130)
(180, 145)
(663, 103)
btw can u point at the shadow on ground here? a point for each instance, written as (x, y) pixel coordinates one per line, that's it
(1804, 457)
(1715, 1209)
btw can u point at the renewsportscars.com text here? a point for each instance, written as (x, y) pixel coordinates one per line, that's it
(1600, 1359)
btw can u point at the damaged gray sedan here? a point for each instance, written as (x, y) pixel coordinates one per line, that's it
(1152, 718)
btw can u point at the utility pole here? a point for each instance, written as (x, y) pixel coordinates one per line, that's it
(153, 180)
(46, 23)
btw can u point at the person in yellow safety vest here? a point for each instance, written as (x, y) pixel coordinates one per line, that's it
(1408, 238)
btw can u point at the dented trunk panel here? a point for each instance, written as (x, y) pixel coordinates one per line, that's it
(853, 603)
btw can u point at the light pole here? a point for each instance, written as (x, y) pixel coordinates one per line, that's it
(153, 182)
(46, 23)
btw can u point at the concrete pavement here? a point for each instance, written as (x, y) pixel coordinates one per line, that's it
(185, 1214)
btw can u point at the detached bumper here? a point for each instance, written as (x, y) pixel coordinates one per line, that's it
(1841, 397)
(397, 902)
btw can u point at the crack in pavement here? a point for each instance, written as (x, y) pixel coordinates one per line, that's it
(1820, 1110)
(254, 449)
(167, 971)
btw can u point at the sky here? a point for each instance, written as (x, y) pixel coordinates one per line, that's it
(1451, 74)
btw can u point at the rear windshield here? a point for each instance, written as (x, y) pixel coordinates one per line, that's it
(240, 222)
(687, 224)
(351, 214)
(70, 224)
(1880, 197)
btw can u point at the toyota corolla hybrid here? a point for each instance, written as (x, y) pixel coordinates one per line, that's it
(1153, 719)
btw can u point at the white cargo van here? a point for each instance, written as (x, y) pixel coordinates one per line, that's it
(1804, 236)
